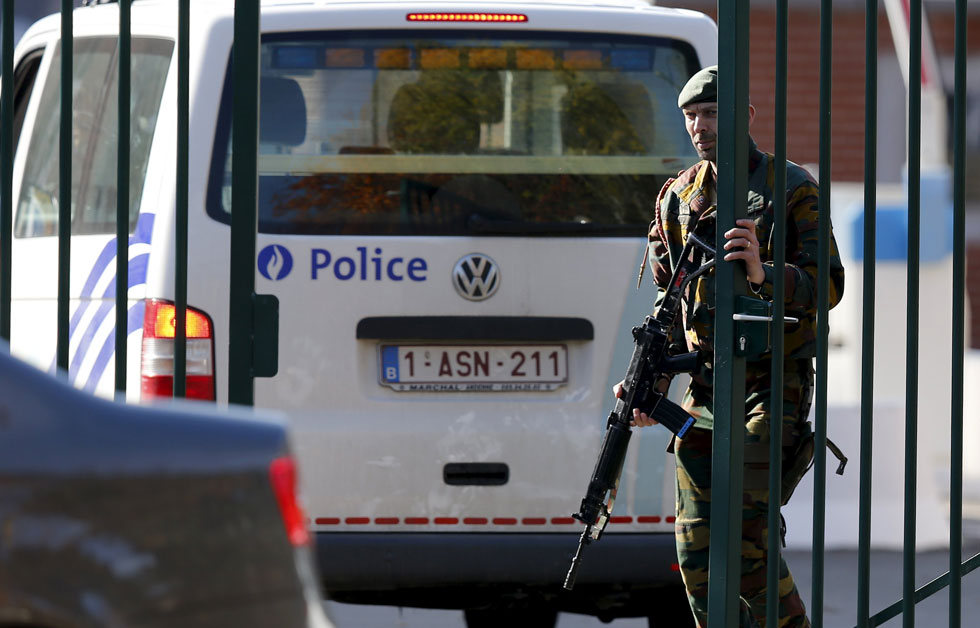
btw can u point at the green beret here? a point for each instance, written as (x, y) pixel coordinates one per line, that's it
(702, 87)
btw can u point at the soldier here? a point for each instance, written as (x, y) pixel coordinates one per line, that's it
(681, 204)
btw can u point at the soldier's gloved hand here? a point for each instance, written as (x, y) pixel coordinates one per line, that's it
(640, 419)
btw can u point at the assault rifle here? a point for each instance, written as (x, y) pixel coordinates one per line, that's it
(649, 365)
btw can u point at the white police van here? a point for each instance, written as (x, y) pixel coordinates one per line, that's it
(453, 198)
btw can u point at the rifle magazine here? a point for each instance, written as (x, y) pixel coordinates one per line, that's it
(673, 417)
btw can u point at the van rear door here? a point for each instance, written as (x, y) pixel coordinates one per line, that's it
(451, 220)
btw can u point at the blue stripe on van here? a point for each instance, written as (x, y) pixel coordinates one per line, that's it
(100, 314)
(105, 261)
(137, 276)
(142, 235)
(134, 321)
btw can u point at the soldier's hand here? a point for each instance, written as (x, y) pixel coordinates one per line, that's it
(618, 389)
(640, 419)
(744, 245)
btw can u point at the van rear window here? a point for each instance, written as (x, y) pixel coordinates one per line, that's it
(462, 133)
(95, 129)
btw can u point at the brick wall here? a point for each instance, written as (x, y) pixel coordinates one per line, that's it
(803, 84)
(847, 93)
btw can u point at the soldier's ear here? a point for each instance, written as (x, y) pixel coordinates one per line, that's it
(751, 114)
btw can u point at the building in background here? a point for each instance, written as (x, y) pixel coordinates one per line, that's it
(847, 117)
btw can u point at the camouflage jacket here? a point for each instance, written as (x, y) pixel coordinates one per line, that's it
(688, 198)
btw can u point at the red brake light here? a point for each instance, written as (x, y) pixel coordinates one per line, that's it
(466, 17)
(157, 359)
(160, 321)
(282, 474)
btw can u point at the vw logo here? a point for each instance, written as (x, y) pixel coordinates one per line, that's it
(275, 262)
(476, 277)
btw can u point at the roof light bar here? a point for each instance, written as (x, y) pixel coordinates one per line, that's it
(466, 17)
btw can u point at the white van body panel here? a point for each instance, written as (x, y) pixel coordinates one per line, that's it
(373, 457)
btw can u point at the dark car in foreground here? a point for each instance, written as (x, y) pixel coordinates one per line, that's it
(115, 515)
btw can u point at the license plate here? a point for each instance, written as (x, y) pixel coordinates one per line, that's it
(473, 368)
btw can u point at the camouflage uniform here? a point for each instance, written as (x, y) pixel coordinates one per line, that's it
(682, 202)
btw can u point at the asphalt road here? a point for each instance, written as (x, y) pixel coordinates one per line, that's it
(840, 596)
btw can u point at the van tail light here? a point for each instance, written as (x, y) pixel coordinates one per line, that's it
(157, 358)
(282, 474)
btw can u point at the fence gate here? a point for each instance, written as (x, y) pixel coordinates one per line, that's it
(733, 47)
(251, 354)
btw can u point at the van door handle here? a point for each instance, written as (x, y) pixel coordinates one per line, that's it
(476, 473)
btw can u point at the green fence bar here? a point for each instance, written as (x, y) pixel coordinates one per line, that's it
(868, 306)
(64, 184)
(122, 196)
(958, 322)
(180, 219)
(244, 200)
(912, 309)
(778, 314)
(6, 159)
(823, 306)
(724, 560)
(928, 589)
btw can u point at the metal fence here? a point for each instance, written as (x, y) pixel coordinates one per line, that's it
(244, 221)
(729, 383)
(247, 307)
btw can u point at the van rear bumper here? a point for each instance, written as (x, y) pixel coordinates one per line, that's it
(623, 575)
(377, 561)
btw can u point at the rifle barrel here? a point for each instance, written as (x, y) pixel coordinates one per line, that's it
(573, 570)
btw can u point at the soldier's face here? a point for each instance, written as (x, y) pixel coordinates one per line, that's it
(701, 121)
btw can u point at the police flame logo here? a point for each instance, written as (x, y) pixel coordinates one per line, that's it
(476, 277)
(275, 262)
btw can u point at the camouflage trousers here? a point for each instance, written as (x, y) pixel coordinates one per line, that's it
(693, 523)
